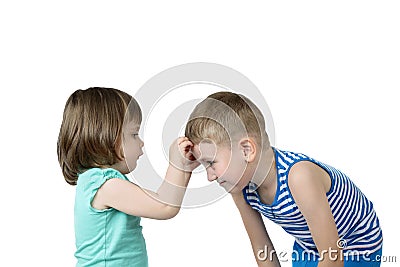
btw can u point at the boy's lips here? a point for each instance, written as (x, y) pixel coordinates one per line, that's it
(221, 182)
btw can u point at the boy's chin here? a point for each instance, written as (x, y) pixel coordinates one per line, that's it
(233, 189)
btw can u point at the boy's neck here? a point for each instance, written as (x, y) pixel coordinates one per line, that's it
(265, 173)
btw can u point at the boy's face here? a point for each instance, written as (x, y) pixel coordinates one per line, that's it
(224, 165)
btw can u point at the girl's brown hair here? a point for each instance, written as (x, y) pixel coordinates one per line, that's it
(91, 130)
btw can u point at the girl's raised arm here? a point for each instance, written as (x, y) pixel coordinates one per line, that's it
(163, 204)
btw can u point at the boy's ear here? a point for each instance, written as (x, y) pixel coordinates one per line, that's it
(248, 148)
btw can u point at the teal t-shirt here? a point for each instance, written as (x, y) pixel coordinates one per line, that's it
(105, 237)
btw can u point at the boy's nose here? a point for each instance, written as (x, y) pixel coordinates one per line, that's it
(210, 175)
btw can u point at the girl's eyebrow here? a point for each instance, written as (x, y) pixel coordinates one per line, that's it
(134, 128)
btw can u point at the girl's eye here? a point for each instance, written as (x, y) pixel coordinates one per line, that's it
(135, 135)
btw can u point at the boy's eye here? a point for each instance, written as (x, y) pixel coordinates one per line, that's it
(209, 164)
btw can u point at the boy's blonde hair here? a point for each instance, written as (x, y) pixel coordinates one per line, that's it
(224, 116)
(91, 131)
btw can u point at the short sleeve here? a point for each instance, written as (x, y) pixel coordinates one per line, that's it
(92, 180)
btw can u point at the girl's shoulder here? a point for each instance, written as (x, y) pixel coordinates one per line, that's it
(99, 175)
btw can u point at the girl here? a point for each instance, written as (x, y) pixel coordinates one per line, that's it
(98, 145)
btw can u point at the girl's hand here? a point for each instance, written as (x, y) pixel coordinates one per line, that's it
(180, 155)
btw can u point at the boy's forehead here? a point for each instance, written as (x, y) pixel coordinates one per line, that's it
(205, 150)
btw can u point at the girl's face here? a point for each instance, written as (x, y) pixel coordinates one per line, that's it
(131, 146)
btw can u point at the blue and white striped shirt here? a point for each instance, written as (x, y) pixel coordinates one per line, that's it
(356, 221)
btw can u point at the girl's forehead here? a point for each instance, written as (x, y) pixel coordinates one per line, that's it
(132, 126)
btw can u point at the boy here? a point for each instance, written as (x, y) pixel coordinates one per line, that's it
(329, 217)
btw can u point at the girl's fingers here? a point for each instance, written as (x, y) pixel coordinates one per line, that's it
(185, 143)
(182, 139)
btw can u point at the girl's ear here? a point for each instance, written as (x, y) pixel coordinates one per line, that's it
(119, 150)
(248, 148)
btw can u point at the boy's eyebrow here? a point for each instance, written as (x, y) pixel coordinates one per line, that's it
(205, 159)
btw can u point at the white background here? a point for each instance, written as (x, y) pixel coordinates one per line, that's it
(329, 72)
